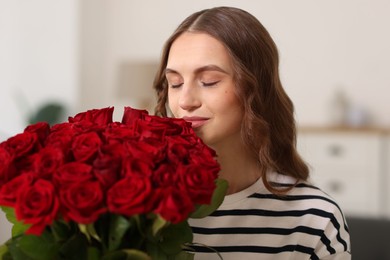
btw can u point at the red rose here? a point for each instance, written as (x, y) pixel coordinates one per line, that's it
(204, 157)
(7, 169)
(81, 169)
(47, 161)
(173, 126)
(136, 166)
(87, 126)
(66, 126)
(119, 133)
(83, 202)
(72, 172)
(38, 205)
(42, 129)
(10, 190)
(198, 182)
(97, 116)
(174, 205)
(108, 163)
(186, 127)
(61, 139)
(24, 164)
(131, 115)
(85, 146)
(150, 151)
(130, 196)
(205, 150)
(178, 149)
(191, 139)
(165, 176)
(150, 131)
(21, 144)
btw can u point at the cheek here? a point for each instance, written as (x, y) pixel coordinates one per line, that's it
(233, 110)
(172, 104)
(227, 102)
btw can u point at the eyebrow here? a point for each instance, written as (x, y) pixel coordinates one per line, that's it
(199, 70)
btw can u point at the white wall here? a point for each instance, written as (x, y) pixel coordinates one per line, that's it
(38, 58)
(324, 45)
(5, 228)
(38, 63)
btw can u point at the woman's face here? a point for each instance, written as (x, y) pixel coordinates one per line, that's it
(201, 88)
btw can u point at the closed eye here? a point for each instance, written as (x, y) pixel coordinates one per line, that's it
(176, 85)
(210, 84)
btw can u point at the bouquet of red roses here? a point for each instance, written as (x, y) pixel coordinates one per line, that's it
(92, 188)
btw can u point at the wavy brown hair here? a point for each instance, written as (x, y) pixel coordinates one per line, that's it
(268, 126)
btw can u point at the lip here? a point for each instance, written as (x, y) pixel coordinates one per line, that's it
(196, 121)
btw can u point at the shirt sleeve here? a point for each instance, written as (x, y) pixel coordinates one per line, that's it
(335, 241)
(338, 256)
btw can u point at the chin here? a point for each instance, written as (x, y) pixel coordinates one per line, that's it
(204, 138)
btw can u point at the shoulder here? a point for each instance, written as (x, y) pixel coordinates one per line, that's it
(308, 198)
(318, 210)
(305, 192)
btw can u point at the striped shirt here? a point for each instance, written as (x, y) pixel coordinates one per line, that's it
(305, 223)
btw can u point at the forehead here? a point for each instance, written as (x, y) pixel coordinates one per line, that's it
(192, 50)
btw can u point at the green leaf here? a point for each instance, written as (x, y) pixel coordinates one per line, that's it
(155, 251)
(75, 248)
(118, 227)
(158, 224)
(3, 251)
(18, 227)
(89, 231)
(9, 214)
(140, 223)
(183, 255)
(174, 236)
(93, 253)
(50, 113)
(41, 247)
(61, 230)
(102, 228)
(92, 231)
(15, 250)
(133, 254)
(116, 255)
(217, 199)
(83, 230)
(127, 254)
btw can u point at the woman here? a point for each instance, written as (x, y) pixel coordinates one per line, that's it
(219, 71)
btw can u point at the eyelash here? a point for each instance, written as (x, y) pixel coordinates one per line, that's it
(210, 84)
(204, 84)
(177, 86)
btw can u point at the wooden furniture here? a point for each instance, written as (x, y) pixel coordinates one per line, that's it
(351, 165)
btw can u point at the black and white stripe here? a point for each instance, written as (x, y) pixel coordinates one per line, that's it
(305, 223)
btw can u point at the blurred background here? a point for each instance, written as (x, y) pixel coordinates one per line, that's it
(68, 56)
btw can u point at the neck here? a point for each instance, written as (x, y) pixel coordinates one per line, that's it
(238, 167)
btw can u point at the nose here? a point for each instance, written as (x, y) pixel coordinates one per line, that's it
(189, 98)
